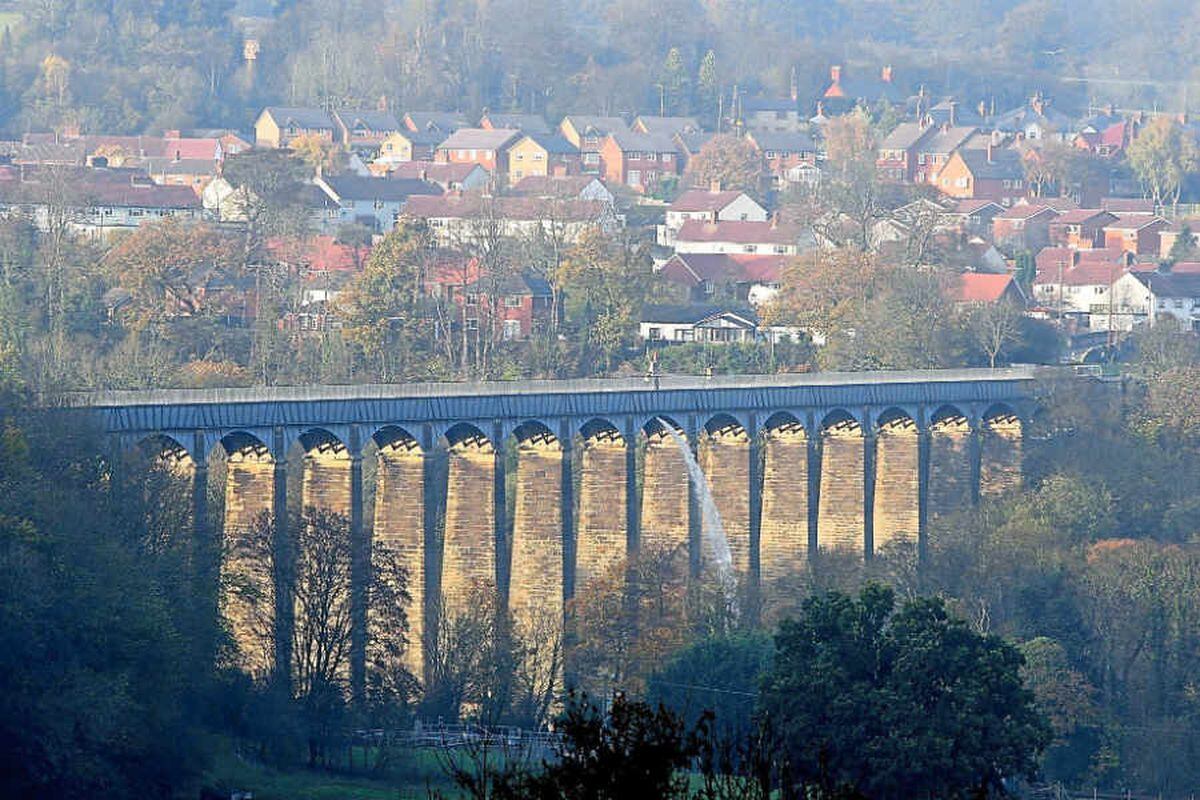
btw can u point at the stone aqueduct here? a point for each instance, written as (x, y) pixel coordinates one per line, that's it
(797, 464)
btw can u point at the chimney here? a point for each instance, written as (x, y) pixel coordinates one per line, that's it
(714, 186)
(178, 156)
(953, 120)
(382, 103)
(835, 73)
(1038, 103)
(982, 109)
(885, 74)
(424, 174)
(820, 109)
(1110, 110)
(989, 152)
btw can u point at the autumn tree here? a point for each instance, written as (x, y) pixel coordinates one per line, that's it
(166, 265)
(728, 161)
(1161, 156)
(849, 201)
(318, 152)
(268, 195)
(823, 290)
(995, 327)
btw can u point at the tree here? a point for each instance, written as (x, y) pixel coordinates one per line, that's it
(1161, 156)
(674, 83)
(728, 161)
(708, 88)
(321, 154)
(849, 195)
(1184, 246)
(269, 187)
(166, 264)
(873, 701)
(995, 327)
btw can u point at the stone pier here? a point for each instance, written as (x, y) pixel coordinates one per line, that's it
(469, 543)
(896, 482)
(840, 526)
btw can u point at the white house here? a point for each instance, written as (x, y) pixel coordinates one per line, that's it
(1153, 296)
(374, 202)
(458, 219)
(764, 238)
(712, 205)
(697, 323)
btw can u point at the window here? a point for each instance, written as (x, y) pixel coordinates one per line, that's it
(770, 154)
(666, 157)
(512, 329)
(591, 158)
(961, 182)
(655, 334)
(472, 324)
(519, 157)
(472, 299)
(512, 301)
(378, 205)
(780, 250)
(651, 156)
(635, 177)
(750, 248)
(921, 158)
(537, 156)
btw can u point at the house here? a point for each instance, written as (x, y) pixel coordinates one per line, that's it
(1168, 236)
(1127, 206)
(981, 288)
(277, 126)
(1024, 226)
(538, 155)
(665, 126)
(1077, 284)
(690, 145)
(1080, 228)
(526, 123)
(516, 304)
(677, 324)
(97, 202)
(195, 173)
(1135, 233)
(458, 219)
(364, 131)
(639, 160)
(444, 122)
(974, 216)
(450, 177)
(803, 176)
(773, 115)
(844, 91)
(738, 236)
(1035, 121)
(751, 279)
(934, 151)
(987, 174)
(588, 133)
(708, 205)
(1162, 294)
(564, 187)
(375, 202)
(405, 145)
(487, 148)
(1109, 141)
(897, 157)
(782, 150)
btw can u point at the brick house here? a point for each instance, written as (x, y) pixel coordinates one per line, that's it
(588, 133)
(987, 174)
(1081, 228)
(782, 150)
(487, 148)
(1135, 233)
(406, 145)
(639, 160)
(446, 122)
(844, 91)
(708, 205)
(278, 126)
(364, 131)
(1024, 226)
(897, 157)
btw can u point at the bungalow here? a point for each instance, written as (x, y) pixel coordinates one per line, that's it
(488, 148)
(538, 155)
(639, 160)
(278, 126)
(98, 202)
(374, 202)
(1024, 226)
(526, 123)
(458, 219)
(588, 133)
(1135, 233)
(751, 279)
(711, 205)
(364, 131)
(1081, 228)
(737, 236)
(450, 177)
(988, 174)
(697, 323)
(564, 187)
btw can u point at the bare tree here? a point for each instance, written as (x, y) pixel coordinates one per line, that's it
(995, 327)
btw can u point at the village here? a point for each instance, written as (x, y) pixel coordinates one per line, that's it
(1042, 211)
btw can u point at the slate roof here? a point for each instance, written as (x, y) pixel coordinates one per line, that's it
(948, 140)
(435, 171)
(529, 123)
(783, 141)
(666, 125)
(1078, 216)
(115, 188)
(1025, 211)
(375, 121)
(693, 314)
(703, 200)
(904, 136)
(479, 139)
(445, 121)
(455, 206)
(740, 231)
(306, 118)
(553, 143)
(630, 141)
(553, 185)
(1171, 284)
(600, 125)
(355, 187)
(691, 269)
(1004, 164)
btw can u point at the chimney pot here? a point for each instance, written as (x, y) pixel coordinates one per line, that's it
(714, 186)
(835, 73)
(989, 152)
(885, 74)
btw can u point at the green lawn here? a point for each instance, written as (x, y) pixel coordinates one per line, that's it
(407, 783)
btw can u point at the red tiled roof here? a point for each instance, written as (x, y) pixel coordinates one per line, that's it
(741, 231)
(454, 205)
(692, 268)
(980, 287)
(320, 253)
(972, 205)
(703, 200)
(1134, 222)
(435, 171)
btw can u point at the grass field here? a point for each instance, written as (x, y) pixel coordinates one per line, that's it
(410, 781)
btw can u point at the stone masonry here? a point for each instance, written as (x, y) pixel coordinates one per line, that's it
(896, 484)
(841, 509)
(601, 539)
(400, 529)
(469, 543)
(664, 497)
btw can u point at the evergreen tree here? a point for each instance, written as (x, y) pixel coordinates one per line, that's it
(674, 84)
(707, 90)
